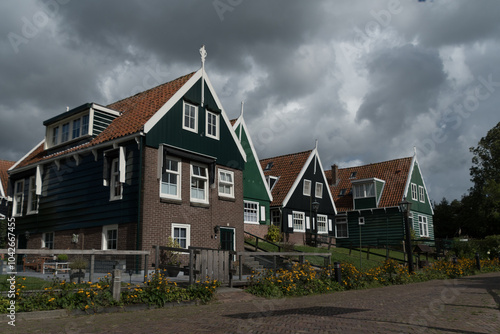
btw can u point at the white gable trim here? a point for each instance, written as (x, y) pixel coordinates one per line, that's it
(408, 177)
(425, 187)
(326, 182)
(27, 154)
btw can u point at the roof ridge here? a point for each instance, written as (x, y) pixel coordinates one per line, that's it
(289, 154)
(375, 163)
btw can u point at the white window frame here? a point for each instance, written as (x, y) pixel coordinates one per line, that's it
(67, 134)
(341, 221)
(114, 180)
(32, 197)
(299, 221)
(322, 224)
(208, 125)
(251, 209)
(199, 178)
(44, 239)
(18, 199)
(105, 240)
(223, 184)
(55, 135)
(423, 226)
(318, 190)
(187, 227)
(414, 192)
(306, 190)
(421, 194)
(187, 127)
(76, 130)
(271, 181)
(361, 190)
(178, 173)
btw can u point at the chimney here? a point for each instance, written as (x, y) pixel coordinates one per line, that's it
(335, 174)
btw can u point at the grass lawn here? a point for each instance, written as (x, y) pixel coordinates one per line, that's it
(31, 283)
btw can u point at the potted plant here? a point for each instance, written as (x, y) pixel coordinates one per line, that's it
(170, 258)
(77, 268)
(62, 258)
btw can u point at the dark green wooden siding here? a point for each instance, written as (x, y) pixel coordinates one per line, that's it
(365, 203)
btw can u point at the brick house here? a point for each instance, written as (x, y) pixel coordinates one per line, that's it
(164, 162)
(4, 180)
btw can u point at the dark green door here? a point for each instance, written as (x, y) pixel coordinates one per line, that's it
(227, 238)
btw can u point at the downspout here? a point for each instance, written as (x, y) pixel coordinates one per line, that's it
(139, 203)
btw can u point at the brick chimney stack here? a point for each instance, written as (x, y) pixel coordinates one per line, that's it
(335, 174)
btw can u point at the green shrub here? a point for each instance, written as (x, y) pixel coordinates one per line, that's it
(273, 234)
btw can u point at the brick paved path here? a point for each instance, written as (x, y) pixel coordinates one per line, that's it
(467, 305)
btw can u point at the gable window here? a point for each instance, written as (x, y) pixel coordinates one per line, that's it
(110, 237)
(212, 129)
(48, 240)
(298, 221)
(199, 184)
(414, 192)
(76, 128)
(251, 212)
(32, 197)
(364, 190)
(18, 198)
(115, 187)
(190, 117)
(341, 228)
(421, 194)
(171, 178)
(322, 224)
(307, 188)
(182, 234)
(65, 132)
(226, 183)
(319, 190)
(55, 135)
(423, 226)
(271, 181)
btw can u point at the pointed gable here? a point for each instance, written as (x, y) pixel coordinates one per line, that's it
(286, 168)
(394, 173)
(4, 177)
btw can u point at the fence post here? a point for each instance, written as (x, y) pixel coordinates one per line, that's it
(157, 257)
(146, 260)
(230, 269)
(91, 274)
(240, 264)
(302, 259)
(116, 284)
(478, 262)
(191, 266)
(338, 272)
(274, 263)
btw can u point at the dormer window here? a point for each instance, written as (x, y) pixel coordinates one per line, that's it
(364, 190)
(269, 166)
(65, 132)
(353, 175)
(271, 181)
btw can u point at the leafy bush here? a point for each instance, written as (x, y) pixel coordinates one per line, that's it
(273, 234)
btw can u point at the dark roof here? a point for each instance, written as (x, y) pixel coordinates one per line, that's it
(394, 172)
(287, 169)
(4, 177)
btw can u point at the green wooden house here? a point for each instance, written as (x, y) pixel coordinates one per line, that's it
(367, 199)
(256, 193)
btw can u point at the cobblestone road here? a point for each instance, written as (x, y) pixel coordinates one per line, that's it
(466, 305)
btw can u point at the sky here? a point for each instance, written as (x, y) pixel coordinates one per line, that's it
(370, 80)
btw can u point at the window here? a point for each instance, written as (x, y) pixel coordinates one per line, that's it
(115, 187)
(85, 125)
(269, 166)
(110, 237)
(171, 178)
(48, 240)
(212, 129)
(65, 132)
(190, 121)
(76, 128)
(307, 188)
(275, 217)
(182, 234)
(18, 198)
(298, 221)
(32, 197)
(414, 192)
(199, 181)
(364, 190)
(342, 192)
(423, 226)
(421, 193)
(55, 135)
(251, 212)
(341, 228)
(353, 175)
(271, 181)
(322, 224)
(361, 220)
(226, 183)
(319, 190)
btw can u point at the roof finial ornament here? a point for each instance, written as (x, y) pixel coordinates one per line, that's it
(241, 111)
(415, 151)
(203, 54)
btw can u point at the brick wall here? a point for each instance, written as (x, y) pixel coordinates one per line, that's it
(257, 229)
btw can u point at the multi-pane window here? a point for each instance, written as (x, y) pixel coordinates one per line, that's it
(275, 217)
(110, 237)
(48, 240)
(251, 212)
(55, 135)
(341, 228)
(423, 226)
(65, 132)
(85, 125)
(319, 190)
(32, 197)
(322, 224)
(115, 185)
(18, 198)
(212, 125)
(76, 128)
(199, 181)
(298, 221)
(190, 118)
(171, 178)
(307, 188)
(364, 190)
(226, 183)
(181, 234)
(414, 192)
(421, 193)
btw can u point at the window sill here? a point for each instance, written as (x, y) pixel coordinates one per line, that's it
(200, 205)
(227, 198)
(252, 223)
(170, 200)
(31, 213)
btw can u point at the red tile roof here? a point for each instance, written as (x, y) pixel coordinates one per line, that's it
(394, 173)
(136, 111)
(4, 177)
(287, 168)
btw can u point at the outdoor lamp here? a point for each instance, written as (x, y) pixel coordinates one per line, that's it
(405, 207)
(315, 206)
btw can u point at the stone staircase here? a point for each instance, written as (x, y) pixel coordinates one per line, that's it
(257, 263)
